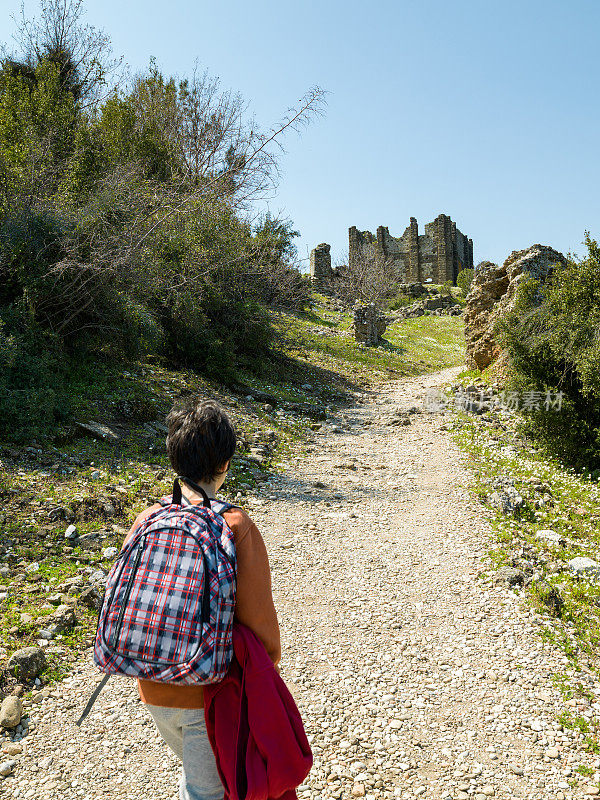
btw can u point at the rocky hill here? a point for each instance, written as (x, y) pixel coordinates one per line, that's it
(492, 294)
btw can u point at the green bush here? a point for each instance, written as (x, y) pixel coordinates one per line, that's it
(32, 394)
(552, 337)
(400, 301)
(464, 279)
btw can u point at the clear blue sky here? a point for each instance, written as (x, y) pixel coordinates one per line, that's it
(485, 111)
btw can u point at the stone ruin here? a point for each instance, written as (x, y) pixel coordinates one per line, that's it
(492, 295)
(437, 305)
(369, 324)
(320, 265)
(415, 290)
(437, 255)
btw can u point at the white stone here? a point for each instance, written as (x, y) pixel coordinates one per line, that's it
(71, 532)
(584, 565)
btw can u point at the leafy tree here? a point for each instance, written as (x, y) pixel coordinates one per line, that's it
(81, 53)
(124, 213)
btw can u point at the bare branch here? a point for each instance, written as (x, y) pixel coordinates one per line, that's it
(366, 277)
(258, 161)
(83, 52)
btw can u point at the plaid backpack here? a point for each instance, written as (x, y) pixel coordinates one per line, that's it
(167, 613)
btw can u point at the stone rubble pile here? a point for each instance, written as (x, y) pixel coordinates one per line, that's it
(437, 305)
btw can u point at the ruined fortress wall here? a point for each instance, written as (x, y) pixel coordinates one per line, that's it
(439, 254)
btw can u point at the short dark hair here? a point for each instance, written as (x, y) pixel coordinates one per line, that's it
(201, 440)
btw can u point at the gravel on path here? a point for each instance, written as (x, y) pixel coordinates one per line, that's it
(414, 678)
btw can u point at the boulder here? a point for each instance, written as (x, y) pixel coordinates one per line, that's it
(582, 565)
(27, 663)
(489, 284)
(536, 261)
(11, 712)
(99, 430)
(492, 294)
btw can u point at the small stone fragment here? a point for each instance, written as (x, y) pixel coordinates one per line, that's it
(71, 532)
(511, 575)
(91, 597)
(98, 430)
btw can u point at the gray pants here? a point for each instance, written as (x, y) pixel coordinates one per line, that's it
(184, 730)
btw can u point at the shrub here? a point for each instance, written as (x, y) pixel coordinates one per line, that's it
(552, 337)
(32, 396)
(124, 224)
(464, 279)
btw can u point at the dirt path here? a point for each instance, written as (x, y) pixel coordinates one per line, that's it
(414, 678)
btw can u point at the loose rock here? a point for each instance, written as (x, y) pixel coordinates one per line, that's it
(11, 712)
(27, 663)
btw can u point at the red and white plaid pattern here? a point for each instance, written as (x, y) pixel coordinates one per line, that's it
(159, 619)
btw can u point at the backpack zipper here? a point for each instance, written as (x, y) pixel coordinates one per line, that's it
(128, 589)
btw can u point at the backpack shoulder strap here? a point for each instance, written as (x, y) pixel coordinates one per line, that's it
(177, 495)
(220, 507)
(92, 700)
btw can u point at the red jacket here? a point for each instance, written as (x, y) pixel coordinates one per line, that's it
(254, 726)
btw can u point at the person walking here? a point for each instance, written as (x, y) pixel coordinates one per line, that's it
(201, 442)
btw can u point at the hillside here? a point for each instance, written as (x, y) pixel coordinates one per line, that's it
(68, 501)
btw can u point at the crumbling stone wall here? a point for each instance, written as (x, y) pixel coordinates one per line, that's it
(439, 254)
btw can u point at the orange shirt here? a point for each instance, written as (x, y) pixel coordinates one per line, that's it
(254, 607)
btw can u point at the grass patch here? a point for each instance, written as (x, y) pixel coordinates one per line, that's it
(555, 498)
(324, 338)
